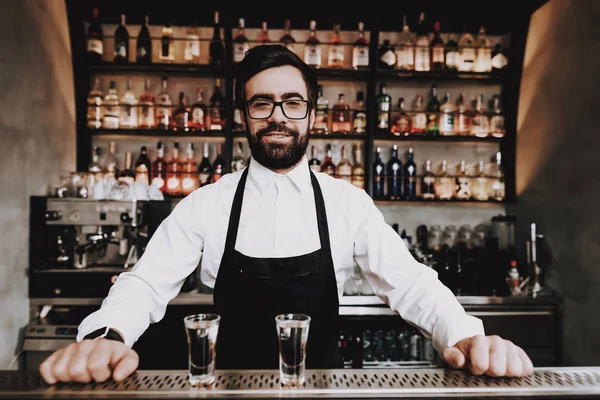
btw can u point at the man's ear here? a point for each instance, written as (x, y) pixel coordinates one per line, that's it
(311, 119)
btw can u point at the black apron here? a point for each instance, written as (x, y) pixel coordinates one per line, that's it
(249, 292)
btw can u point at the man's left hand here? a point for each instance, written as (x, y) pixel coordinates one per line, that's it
(490, 355)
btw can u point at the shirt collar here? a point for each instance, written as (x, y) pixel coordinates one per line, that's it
(262, 176)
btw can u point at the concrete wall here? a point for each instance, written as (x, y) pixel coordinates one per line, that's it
(558, 178)
(37, 136)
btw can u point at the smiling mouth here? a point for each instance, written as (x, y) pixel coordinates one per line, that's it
(278, 135)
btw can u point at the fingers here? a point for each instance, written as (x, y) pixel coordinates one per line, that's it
(527, 364)
(99, 361)
(124, 364)
(494, 356)
(46, 367)
(479, 355)
(498, 357)
(454, 357)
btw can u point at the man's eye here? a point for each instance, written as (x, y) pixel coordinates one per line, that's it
(293, 103)
(260, 104)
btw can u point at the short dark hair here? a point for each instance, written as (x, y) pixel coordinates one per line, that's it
(260, 58)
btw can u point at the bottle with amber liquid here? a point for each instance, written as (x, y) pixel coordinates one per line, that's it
(312, 49)
(217, 108)
(358, 168)
(264, 38)
(340, 116)
(287, 39)
(437, 49)
(219, 165)
(182, 115)
(94, 39)
(142, 167)
(163, 111)
(199, 112)
(189, 175)
(205, 170)
(336, 49)
(146, 107)
(121, 43)
(360, 49)
(359, 121)
(314, 163)
(159, 169)
(173, 176)
(344, 167)
(402, 124)
(240, 42)
(328, 166)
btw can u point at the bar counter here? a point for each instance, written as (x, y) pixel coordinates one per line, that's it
(574, 382)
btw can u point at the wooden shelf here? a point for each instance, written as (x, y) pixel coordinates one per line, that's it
(342, 74)
(445, 139)
(318, 136)
(438, 202)
(156, 68)
(154, 132)
(479, 77)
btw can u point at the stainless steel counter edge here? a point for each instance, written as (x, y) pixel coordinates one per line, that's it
(194, 298)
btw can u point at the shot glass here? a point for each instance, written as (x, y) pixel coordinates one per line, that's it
(292, 332)
(202, 331)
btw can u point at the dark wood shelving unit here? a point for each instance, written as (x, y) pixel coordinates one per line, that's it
(443, 139)
(156, 68)
(438, 202)
(155, 132)
(495, 78)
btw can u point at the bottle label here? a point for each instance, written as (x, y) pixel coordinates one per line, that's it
(182, 119)
(428, 186)
(497, 124)
(464, 188)
(192, 49)
(121, 49)
(420, 121)
(447, 123)
(422, 56)
(345, 172)
(403, 124)
(433, 122)
(94, 116)
(188, 184)
(321, 119)
(464, 123)
(173, 184)
(163, 107)
(95, 45)
(158, 181)
(141, 174)
(198, 116)
(452, 59)
(383, 119)
(128, 116)
(216, 122)
(483, 62)
(437, 54)
(467, 59)
(389, 58)
(239, 51)
(360, 56)
(499, 61)
(406, 57)
(204, 178)
(146, 115)
(142, 52)
(358, 181)
(360, 122)
(336, 55)
(312, 55)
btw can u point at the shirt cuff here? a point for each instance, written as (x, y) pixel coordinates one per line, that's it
(446, 333)
(114, 319)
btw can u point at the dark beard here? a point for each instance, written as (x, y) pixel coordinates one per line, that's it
(277, 156)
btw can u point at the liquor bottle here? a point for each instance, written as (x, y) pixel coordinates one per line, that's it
(143, 47)
(499, 58)
(410, 176)
(314, 163)
(94, 106)
(263, 38)
(287, 39)
(387, 56)
(205, 170)
(146, 118)
(121, 43)
(344, 167)
(128, 174)
(217, 108)
(378, 175)
(437, 49)
(163, 107)
(359, 121)
(445, 185)
(336, 49)
(110, 164)
(433, 113)
(173, 175)
(189, 175)
(428, 182)
(240, 42)
(464, 119)
(312, 49)
(402, 124)
(360, 49)
(167, 46)
(219, 164)
(422, 61)
(405, 52)
(463, 183)
(328, 166)
(358, 168)
(129, 114)
(216, 49)
(321, 124)
(447, 110)
(111, 108)
(142, 167)
(481, 122)
(238, 122)
(394, 176)
(159, 169)
(481, 186)
(451, 54)
(384, 105)
(94, 165)
(199, 112)
(483, 58)
(340, 116)
(94, 37)
(182, 115)
(419, 120)
(191, 54)
(497, 120)
(466, 49)
(498, 187)
(238, 162)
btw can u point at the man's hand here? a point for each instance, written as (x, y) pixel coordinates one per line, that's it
(490, 355)
(89, 360)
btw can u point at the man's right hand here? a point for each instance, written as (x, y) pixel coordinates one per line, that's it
(90, 360)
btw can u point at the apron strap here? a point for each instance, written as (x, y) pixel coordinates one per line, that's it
(236, 211)
(321, 213)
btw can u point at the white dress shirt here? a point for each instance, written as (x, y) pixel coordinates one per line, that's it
(278, 219)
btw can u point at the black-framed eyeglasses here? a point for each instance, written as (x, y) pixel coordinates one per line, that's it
(292, 109)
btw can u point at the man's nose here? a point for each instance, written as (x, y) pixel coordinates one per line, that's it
(277, 115)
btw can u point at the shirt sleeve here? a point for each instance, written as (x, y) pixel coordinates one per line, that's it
(407, 286)
(140, 297)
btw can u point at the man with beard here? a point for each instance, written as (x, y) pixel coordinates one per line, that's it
(276, 238)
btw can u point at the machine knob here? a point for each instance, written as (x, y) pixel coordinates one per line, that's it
(126, 218)
(53, 215)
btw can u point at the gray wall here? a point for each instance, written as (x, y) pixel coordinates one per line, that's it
(37, 136)
(558, 168)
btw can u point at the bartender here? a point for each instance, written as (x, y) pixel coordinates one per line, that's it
(276, 238)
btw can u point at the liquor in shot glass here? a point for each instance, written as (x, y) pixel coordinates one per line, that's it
(292, 331)
(202, 331)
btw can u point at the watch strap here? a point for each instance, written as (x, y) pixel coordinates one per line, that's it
(105, 333)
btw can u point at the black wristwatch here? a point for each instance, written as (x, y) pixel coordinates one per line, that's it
(106, 333)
